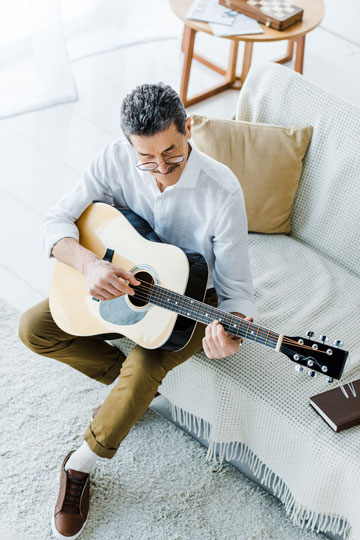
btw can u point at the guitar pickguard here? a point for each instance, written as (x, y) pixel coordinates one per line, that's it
(118, 311)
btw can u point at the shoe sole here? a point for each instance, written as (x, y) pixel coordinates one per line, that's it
(60, 536)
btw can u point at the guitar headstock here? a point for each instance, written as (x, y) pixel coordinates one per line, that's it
(315, 355)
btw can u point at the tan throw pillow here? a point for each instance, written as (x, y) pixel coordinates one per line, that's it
(266, 159)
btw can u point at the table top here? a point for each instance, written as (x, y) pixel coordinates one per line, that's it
(313, 15)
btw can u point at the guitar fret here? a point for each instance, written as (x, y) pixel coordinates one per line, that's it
(227, 322)
(213, 311)
(197, 305)
(204, 313)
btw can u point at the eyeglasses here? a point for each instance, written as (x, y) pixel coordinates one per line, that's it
(152, 165)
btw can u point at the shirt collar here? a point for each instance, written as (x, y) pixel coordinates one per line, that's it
(191, 172)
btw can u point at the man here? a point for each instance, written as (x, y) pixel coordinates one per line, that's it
(191, 201)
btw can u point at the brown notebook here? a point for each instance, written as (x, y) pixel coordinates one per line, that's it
(337, 410)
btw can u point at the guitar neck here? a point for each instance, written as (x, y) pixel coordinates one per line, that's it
(201, 312)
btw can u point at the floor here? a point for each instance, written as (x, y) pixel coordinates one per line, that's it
(44, 153)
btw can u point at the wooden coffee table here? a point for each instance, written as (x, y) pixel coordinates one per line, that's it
(295, 35)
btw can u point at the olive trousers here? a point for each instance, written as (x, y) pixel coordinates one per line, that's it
(139, 374)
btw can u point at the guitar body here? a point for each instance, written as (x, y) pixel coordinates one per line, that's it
(137, 249)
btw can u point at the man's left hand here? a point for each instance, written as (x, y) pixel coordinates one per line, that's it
(218, 343)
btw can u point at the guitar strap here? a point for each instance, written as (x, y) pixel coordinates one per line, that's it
(108, 255)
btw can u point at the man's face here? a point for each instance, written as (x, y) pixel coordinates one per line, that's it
(160, 147)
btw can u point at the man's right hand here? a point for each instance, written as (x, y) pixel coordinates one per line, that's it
(104, 279)
(107, 281)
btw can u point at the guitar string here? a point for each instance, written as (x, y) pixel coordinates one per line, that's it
(285, 349)
(161, 295)
(263, 338)
(145, 296)
(262, 332)
(202, 310)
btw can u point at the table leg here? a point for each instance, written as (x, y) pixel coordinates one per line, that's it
(183, 40)
(201, 59)
(206, 62)
(299, 57)
(188, 44)
(229, 74)
(247, 60)
(231, 71)
(289, 54)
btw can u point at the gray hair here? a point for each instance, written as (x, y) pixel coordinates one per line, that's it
(151, 108)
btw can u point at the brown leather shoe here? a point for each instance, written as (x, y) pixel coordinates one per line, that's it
(72, 506)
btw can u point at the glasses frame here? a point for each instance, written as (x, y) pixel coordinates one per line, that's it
(142, 166)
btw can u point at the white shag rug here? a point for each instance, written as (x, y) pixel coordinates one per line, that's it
(158, 485)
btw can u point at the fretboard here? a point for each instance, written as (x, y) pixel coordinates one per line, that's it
(201, 312)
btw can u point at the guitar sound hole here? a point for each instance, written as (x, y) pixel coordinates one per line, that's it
(142, 292)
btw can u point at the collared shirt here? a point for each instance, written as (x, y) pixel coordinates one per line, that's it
(204, 211)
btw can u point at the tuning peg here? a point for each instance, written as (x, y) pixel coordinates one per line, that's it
(310, 363)
(324, 369)
(323, 339)
(312, 373)
(299, 368)
(330, 379)
(309, 334)
(338, 343)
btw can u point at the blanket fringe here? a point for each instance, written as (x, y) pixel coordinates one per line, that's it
(219, 452)
(197, 425)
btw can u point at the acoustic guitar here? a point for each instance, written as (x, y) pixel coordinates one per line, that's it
(169, 301)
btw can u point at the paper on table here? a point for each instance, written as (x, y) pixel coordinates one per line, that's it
(242, 25)
(211, 11)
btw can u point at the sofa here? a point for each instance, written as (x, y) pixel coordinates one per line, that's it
(252, 408)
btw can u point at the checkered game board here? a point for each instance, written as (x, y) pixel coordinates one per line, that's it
(280, 9)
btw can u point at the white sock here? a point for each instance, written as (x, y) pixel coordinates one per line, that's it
(83, 459)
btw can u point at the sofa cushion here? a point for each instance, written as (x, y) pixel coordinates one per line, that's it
(267, 160)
